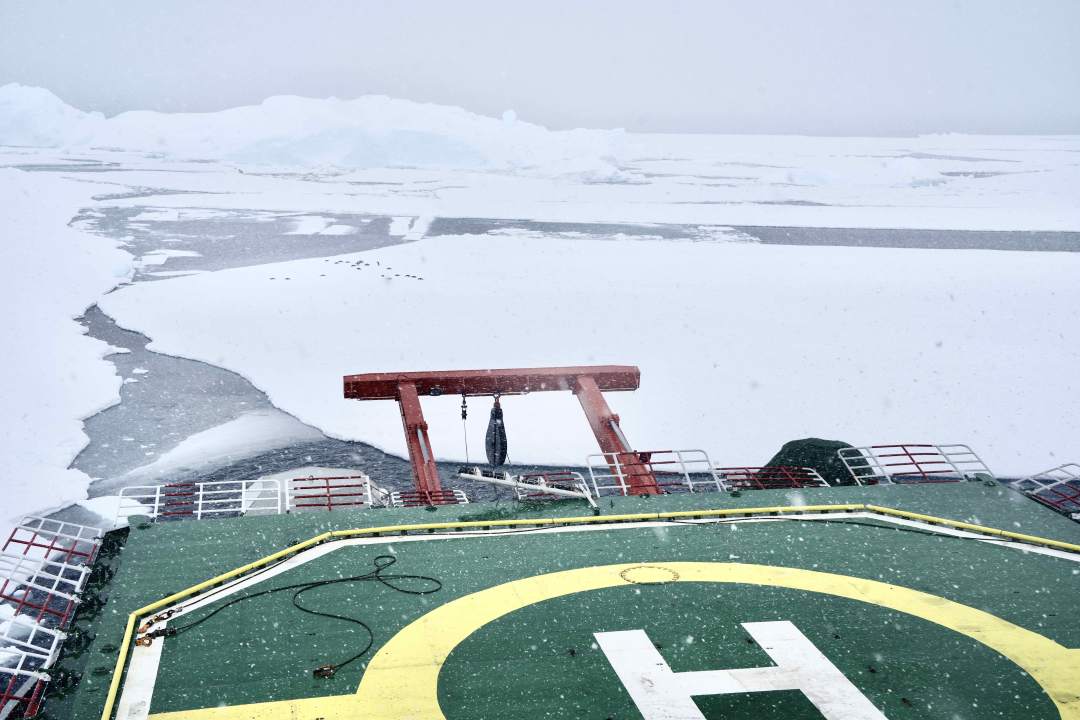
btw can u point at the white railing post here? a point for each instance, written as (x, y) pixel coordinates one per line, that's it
(682, 466)
(908, 462)
(619, 470)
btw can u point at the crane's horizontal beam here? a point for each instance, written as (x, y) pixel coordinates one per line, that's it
(512, 381)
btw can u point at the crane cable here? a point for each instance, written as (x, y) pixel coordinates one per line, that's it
(464, 427)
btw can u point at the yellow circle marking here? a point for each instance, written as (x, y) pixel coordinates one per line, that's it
(402, 679)
(649, 575)
(401, 682)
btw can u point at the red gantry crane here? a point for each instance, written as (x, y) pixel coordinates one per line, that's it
(587, 383)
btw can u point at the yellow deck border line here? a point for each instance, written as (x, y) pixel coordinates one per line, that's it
(133, 618)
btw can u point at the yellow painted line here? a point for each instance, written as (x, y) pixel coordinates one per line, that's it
(188, 592)
(401, 681)
(133, 618)
(594, 519)
(982, 529)
(121, 660)
(125, 645)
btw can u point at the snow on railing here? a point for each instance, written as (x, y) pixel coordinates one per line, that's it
(22, 682)
(200, 500)
(913, 463)
(44, 589)
(23, 633)
(55, 539)
(1058, 487)
(674, 471)
(44, 565)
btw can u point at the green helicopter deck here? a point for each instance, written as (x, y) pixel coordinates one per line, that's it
(896, 601)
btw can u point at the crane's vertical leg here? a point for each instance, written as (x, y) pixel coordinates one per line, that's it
(632, 466)
(425, 473)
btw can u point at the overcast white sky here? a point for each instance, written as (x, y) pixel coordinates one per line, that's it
(837, 67)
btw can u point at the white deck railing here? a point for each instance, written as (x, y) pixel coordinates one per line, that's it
(413, 498)
(1058, 487)
(914, 463)
(336, 492)
(44, 565)
(200, 500)
(22, 633)
(673, 470)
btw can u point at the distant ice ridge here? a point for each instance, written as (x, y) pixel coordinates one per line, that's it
(370, 131)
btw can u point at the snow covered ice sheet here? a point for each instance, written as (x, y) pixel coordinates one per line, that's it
(53, 374)
(741, 346)
(247, 435)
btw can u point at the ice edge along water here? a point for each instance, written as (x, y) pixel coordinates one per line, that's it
(866, 345)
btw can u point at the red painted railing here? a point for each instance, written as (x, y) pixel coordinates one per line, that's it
(914, 463)
(422, 498)
(44, 564)
(340, 491)
(1058, 488)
